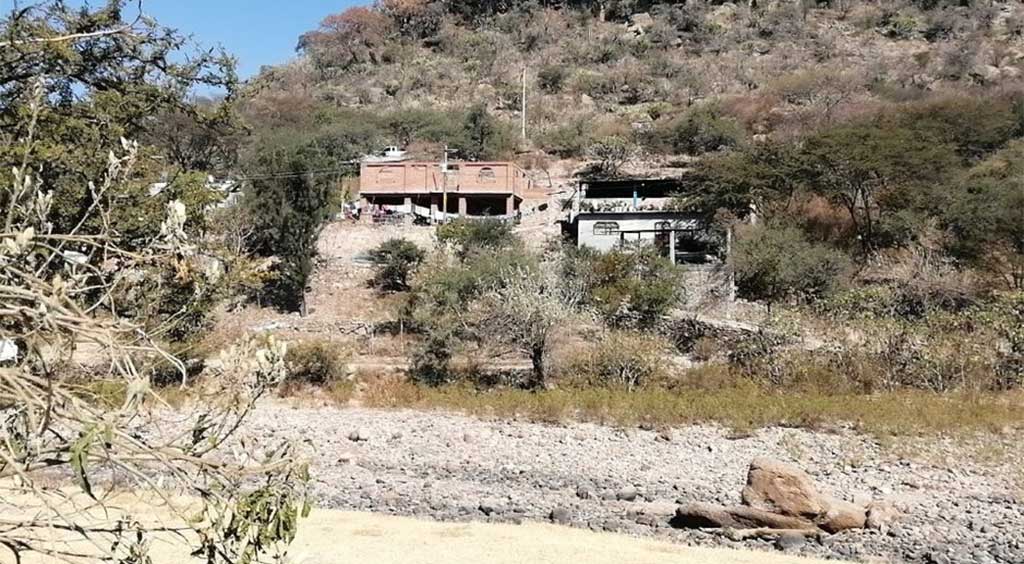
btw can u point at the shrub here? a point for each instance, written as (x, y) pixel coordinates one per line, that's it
(778, 263)
(430, 362)
(628, 288)
(900, 26)
(469, 235)
(630, 360)
(395, 260)
(315, 362)
(700, 130)
(522, 309)
(570, 139)
(439, 301)
(619, 359)
(551, 78)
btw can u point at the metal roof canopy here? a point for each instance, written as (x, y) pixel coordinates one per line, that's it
(626, 187)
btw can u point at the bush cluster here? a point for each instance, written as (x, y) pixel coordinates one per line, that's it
(315, 362)
(395, 261)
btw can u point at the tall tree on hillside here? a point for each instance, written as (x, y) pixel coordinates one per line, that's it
(871, 170)
(288, 204)
(414, 18)
(484, 136)
(348, 38)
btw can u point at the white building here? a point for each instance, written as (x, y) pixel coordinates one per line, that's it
(610, 214)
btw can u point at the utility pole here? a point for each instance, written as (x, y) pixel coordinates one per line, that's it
(524, 103)
(444, 186)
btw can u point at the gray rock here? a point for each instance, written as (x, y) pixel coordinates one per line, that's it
(584, 492)
(627, 494)
(489, 508)
(649, 520)
(560, 516)
(881, 514)
(358, 435)
(790, 541)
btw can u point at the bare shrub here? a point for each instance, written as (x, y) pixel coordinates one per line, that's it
(620, 359)
(919, 281)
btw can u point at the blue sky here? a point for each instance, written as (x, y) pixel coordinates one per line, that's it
(257, 32)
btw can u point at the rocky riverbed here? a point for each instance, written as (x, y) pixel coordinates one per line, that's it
(954, 505)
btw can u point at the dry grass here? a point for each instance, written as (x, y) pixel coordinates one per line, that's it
(741, 407)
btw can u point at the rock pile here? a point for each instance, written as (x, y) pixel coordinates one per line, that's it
(780, 498)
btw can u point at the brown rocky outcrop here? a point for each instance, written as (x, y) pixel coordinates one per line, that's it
(776, 486)
(779, 496)
(781, 488)
(711, 516)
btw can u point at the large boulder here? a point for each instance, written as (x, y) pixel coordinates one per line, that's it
(781, 497)
(703, 516)
(778, 487)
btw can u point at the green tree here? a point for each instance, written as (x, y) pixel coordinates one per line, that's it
(985, 212)
(484, 136)
(411, 125)
(395, 260)
(874, 171)
(288, 205)
(116, 81)
(975, 126)
(763, 175)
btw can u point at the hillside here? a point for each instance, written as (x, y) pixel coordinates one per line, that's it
(674, 78)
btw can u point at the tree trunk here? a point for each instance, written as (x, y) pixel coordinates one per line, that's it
(537, 358)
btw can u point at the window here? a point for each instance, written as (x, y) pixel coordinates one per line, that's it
(606, 228)
(487, 175)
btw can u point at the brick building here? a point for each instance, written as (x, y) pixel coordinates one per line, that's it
(467, 189)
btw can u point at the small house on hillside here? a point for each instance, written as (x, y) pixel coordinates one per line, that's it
(608, 214)
(434, 191)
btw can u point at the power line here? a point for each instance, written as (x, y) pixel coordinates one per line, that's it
(297, 173)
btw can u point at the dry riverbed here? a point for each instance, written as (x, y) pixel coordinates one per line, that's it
(338, 537)
(960, 498)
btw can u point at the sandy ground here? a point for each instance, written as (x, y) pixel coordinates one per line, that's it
(336, 537)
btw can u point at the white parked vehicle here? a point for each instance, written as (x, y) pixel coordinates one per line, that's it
(389, 154)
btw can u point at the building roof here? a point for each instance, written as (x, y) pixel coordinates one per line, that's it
(624, 187)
